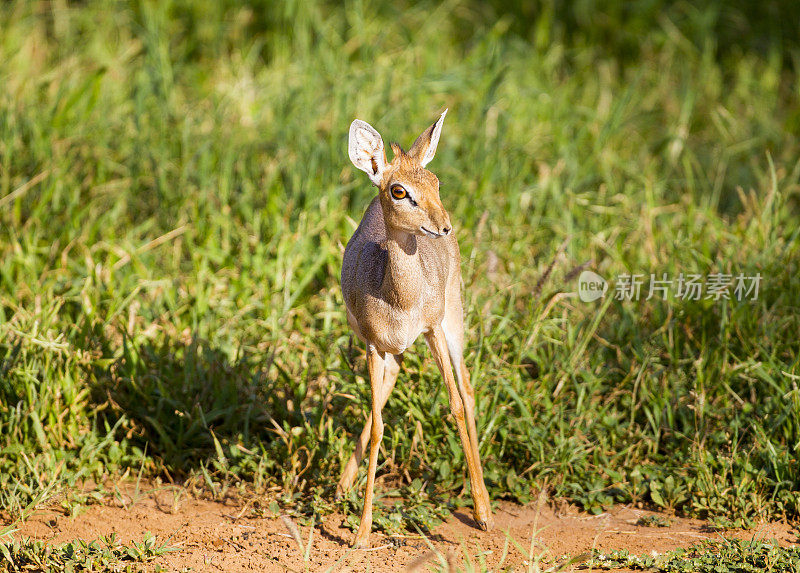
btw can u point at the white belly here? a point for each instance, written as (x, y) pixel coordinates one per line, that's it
(395, 334)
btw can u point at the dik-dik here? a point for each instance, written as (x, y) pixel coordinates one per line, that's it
(401, 277)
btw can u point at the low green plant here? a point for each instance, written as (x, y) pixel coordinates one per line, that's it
(719, 556)
(104, 554)
(654, 521)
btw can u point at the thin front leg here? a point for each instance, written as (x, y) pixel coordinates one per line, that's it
(482, 511)
(390, 371)
(468, 396)
(375, 365)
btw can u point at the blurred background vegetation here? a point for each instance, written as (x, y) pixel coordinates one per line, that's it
(175, 195)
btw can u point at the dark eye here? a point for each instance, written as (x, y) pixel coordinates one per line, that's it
(398, 192)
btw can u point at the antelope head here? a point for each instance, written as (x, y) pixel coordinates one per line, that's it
(408, 192)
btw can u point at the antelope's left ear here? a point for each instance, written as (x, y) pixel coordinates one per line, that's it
(424, 147)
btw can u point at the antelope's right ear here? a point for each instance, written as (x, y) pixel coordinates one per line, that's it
(367, 151)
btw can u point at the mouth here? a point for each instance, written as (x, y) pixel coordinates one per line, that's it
(429, 232)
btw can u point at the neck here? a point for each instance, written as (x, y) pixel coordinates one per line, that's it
(403, 270)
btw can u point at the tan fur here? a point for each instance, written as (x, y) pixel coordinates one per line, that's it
(401, 277)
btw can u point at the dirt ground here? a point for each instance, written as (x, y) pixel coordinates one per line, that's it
(212, 536)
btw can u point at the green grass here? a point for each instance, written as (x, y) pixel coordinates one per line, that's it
(104, 554)
(175, 195)
(724, 556)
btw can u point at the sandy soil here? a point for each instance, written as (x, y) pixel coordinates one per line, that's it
(212, 536)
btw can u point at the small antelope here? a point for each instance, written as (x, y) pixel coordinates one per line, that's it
(401, 277)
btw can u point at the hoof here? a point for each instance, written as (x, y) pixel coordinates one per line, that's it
(362, 535)
(343, 488)
(486, 523)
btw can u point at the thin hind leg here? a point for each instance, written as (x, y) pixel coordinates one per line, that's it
(391, 370)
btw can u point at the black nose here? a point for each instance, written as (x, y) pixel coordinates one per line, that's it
(446, 230)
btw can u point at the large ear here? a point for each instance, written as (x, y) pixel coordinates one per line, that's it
(366, 150)
(424, 147)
